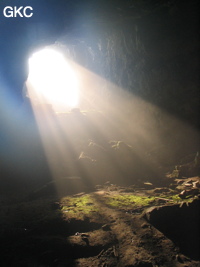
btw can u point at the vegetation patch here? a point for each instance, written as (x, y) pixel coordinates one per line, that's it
(87, 206)
(177, 199)
(130, 201)
(79, 207)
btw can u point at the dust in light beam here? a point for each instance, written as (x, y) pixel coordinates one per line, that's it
(107, 114)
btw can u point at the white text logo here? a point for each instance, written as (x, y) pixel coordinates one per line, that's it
(13, 12)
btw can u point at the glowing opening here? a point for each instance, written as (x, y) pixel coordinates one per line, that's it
(52, 79)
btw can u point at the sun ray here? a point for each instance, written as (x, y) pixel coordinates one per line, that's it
(121, 126)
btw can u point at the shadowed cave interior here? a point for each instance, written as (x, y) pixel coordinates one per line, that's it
(112, 179)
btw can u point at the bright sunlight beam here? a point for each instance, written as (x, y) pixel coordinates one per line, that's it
(52, 79)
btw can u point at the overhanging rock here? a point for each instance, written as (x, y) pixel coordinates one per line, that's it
(180, 224)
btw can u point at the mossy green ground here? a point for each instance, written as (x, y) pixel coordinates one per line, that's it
(78, 206)
(88, 206)
(176, 199)
(130, 201)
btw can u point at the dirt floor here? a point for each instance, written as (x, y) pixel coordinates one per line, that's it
(143, 226)
(146, 215)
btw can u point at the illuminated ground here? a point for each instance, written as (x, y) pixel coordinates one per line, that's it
(111, 226)
(94, 211)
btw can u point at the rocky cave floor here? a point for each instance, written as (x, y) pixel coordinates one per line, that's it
(112, 225)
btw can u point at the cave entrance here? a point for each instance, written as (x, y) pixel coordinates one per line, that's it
(52, 79)
(181, 225)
